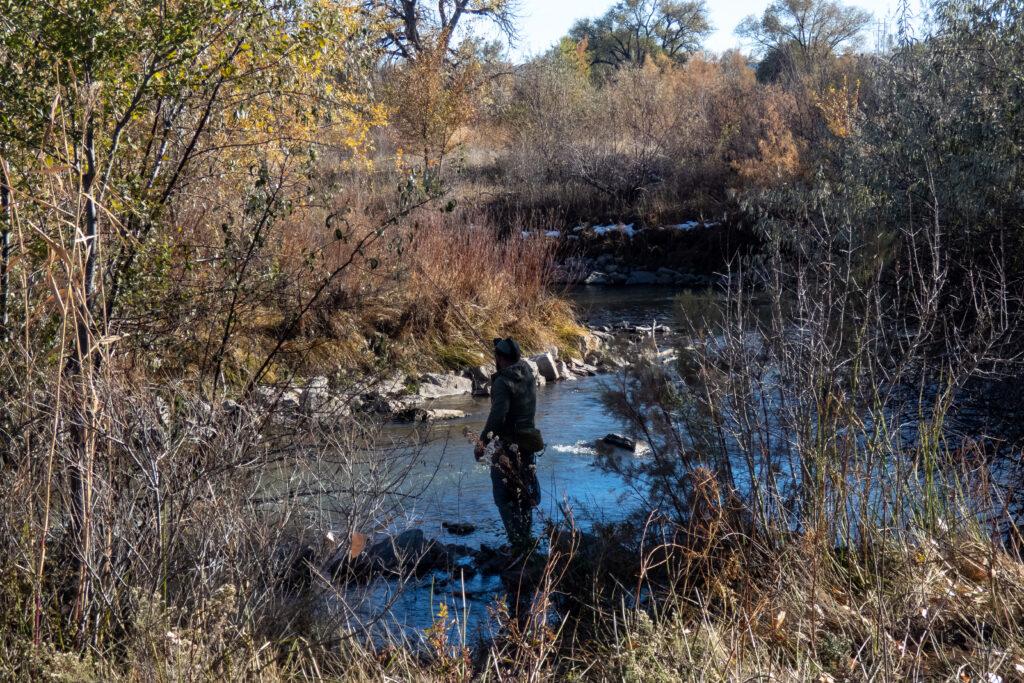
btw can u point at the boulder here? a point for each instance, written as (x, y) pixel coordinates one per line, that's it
(283, 400)
(612, 362)
(408, 550)
(666, 279)
(582, 369)
(231, 409)
(265, 396)
(563, 371)
(390, 405)
(421, 414)
(436, 385)
(642, 277)
(393, 384)
(318, 399)
(695, 281)
(290, 401)
(587, 342)
(480, 376)
(164, 411)
(654, 328)
(536, 372)
(490, 561)
(547, 366)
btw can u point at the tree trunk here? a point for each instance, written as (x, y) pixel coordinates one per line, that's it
(5, 250)
(78, 373)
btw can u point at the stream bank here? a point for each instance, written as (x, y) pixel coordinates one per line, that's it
(453, 524)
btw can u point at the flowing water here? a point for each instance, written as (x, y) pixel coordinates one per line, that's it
(457, 489)
(572, 417)
(569, 414)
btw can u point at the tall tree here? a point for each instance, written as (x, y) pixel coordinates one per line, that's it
(416, 26)
(633, 30)
(799, 34)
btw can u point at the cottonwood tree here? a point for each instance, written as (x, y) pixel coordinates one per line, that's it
(795, 36)
(416, 26)
(634, 30)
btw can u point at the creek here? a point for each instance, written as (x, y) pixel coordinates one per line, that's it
(452, 487)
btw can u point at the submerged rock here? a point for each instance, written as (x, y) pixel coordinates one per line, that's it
(458, 528)
(421, 414)
(620, 441)
(390, 405)
(439, 414)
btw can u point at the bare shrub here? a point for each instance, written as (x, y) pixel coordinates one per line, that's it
(655, 142)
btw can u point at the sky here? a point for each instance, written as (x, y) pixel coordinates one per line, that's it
(543, 22)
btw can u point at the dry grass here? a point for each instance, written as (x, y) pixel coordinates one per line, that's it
(421, 287)
(911, 609)
(466, 286)
(917, 607)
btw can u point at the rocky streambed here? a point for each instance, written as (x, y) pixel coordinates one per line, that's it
(414, 398)
(691, 254)
(446, 541)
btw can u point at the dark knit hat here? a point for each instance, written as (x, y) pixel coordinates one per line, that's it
(508, 347)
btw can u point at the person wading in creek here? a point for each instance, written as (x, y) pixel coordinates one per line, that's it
(510, 424)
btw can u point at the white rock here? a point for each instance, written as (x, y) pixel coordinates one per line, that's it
(546, 366)
(563, 371)
(316, 394)
(395, 384)
(290, 401)
(436, 385)
(539, 378)
(443, 414)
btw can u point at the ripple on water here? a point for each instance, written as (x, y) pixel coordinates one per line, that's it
(578, 448)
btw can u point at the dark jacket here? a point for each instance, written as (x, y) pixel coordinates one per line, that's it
(513, 402)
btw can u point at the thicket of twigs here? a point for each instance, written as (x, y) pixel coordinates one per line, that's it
(204, 204)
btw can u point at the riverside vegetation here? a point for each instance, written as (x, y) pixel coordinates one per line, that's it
(207, 205)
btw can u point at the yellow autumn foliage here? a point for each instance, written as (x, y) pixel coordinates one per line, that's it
(838, 107)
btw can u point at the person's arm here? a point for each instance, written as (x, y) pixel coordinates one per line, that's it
(501, 397)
